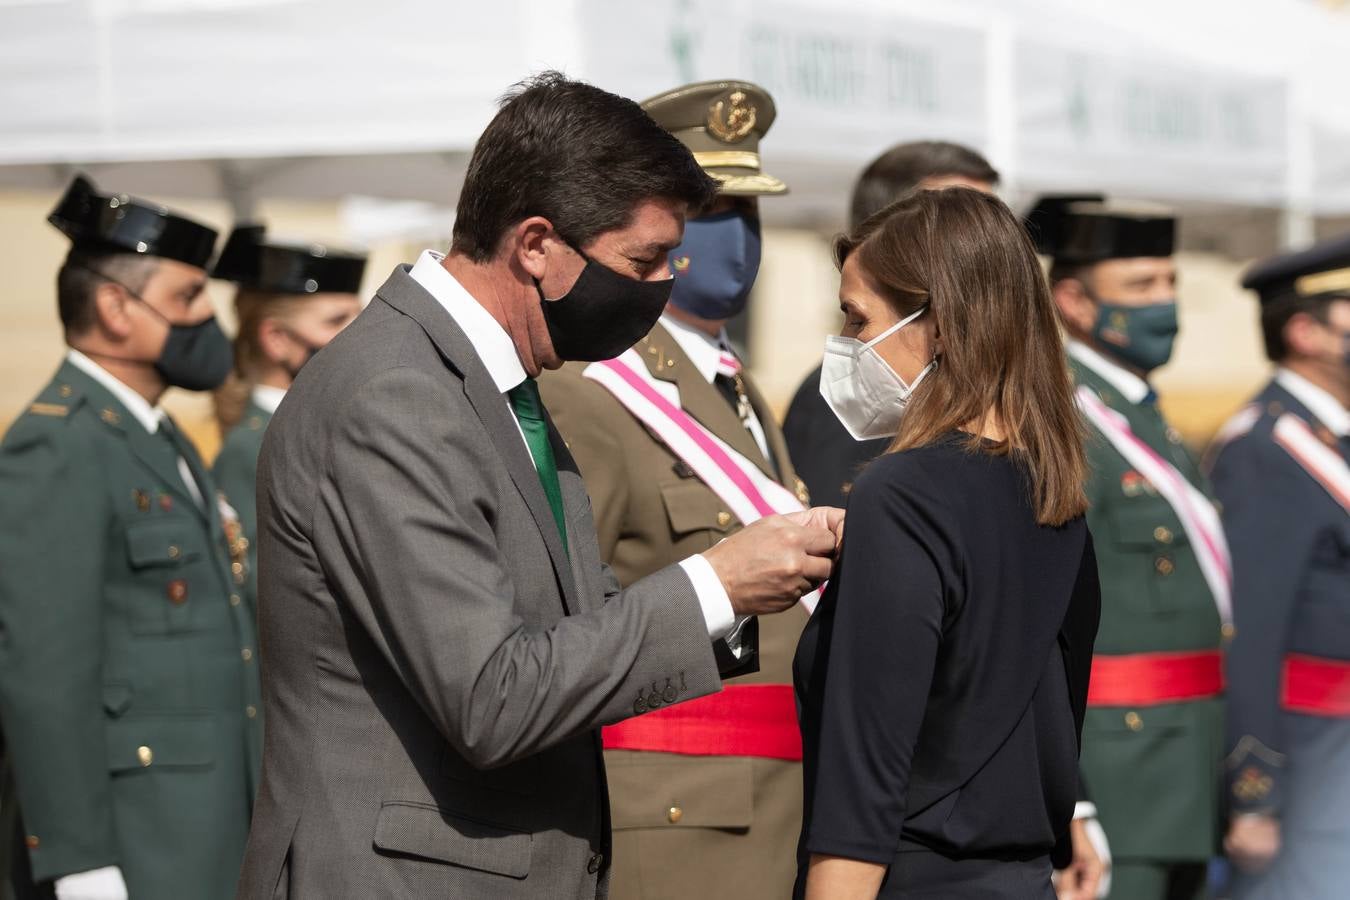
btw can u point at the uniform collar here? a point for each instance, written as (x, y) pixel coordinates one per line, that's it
(266, 397)
(1319, 401)
(149, 416)
(1131, 386)
(702, 349)
(489, 339)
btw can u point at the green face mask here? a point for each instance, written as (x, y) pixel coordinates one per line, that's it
(1141, 336)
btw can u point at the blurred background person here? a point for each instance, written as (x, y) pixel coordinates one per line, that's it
(291, 301)
(128, 679)
(716, 780)
(942, 681)
(1280, 468)
(1151, 740)
(827, 456)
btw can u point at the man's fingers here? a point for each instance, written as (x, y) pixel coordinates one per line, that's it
(818, 541)
(817, 569)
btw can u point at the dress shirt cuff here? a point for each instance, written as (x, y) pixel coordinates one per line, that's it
(1084, 810)
(712, 597)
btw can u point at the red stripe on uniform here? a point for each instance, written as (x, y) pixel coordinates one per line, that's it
(1144, 679)
(1314, 685)
(743, 720)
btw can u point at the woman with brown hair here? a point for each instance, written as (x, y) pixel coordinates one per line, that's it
(942, 679)
(292, 300)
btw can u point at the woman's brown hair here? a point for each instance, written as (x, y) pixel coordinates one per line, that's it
(251, 308)
(967, 257)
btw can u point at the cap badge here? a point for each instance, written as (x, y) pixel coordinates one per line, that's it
(731, 117)
(681, 264)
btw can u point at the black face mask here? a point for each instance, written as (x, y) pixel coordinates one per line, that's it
(603, 314)
(195, 357)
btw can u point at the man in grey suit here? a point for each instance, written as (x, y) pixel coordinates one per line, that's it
(440, 641)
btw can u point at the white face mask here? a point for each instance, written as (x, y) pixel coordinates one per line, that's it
(865, 393)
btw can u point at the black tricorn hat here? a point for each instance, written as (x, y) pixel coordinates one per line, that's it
(251, 262)
(1322, 270)
(116, 223)
(1083, 228)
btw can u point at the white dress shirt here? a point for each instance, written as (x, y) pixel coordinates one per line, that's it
(1131, 386)
(703, 351)
(1319, 401)
(267, 398)
(498, 354)
(149, 417)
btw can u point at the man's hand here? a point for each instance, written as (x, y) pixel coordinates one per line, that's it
(767, 566)
(1253, 841)
(1082, 879)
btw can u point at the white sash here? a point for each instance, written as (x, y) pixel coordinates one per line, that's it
(1197, 514)
(1327, 467)
(738, 482)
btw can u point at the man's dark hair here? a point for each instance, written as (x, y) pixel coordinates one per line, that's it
(1277, 313)
(82, 273)
(900, 169)
(581, 157)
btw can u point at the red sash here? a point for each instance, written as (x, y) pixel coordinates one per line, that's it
(1316, 686)
(1147, 679)
(743, 720)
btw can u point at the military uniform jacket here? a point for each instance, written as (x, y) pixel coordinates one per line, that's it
(128, 673)
(1154, 771)
(236, 472)
(651, 511)
(1291, 588)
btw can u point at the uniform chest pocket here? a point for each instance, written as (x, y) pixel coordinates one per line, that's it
(1152, 556)
(168, 578)
(692, 507)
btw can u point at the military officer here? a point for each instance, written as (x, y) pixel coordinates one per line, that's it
(128, 673)
(678, 449)
(1151, 740)
(1280, 469)
(291, 300)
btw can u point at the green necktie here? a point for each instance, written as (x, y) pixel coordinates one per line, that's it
(529, 410)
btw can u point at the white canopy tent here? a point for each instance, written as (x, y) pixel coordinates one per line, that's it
(1194, 102)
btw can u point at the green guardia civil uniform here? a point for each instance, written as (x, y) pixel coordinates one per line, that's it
(235, 471)
(129, 687)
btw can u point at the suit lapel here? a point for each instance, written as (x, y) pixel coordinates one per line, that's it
(698, 397)
(407, 296)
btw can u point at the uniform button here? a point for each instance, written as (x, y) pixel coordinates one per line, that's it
(1133, 721)
(1174, 436)
(32, 842)
(247, 654)
(723, 518)
(674, 815)
(234, 600)
(237, 568)
(1164, 566)
(669, 694)
(251, 711)
(145, 756)
(174, 552)
(1228, 630)
(593, 865)
(1162, 535)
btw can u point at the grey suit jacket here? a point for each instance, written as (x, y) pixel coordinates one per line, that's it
(435, 668)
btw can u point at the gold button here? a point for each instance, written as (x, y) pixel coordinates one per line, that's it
(251, 711)
(675, 815)
(65, 392)
(234, 600)
(1162, 535)
(32, 842)
(145, 755)
(174, 552)
(237, 568)
(1228, 630)
(724, 518)
(1133, 721)
(246, 653)
(1164, 566)
(243, 543)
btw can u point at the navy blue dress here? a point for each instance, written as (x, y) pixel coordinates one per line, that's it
(942, 680)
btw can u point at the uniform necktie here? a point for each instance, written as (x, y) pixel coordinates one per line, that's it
(529, 410)
(177, 443)
(731, 385)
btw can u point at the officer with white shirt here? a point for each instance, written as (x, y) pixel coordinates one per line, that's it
(129, 688)
(292, 299)
(1281, 466)
(1150, 753)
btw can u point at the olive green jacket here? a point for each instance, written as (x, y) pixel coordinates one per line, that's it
(236, 474)
(1154, 771)
(129, 681)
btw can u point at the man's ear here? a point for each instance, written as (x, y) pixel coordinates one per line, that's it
(112, 310)
(273, 340)
(527, 241)
(1076, 307)
(1301, 334)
